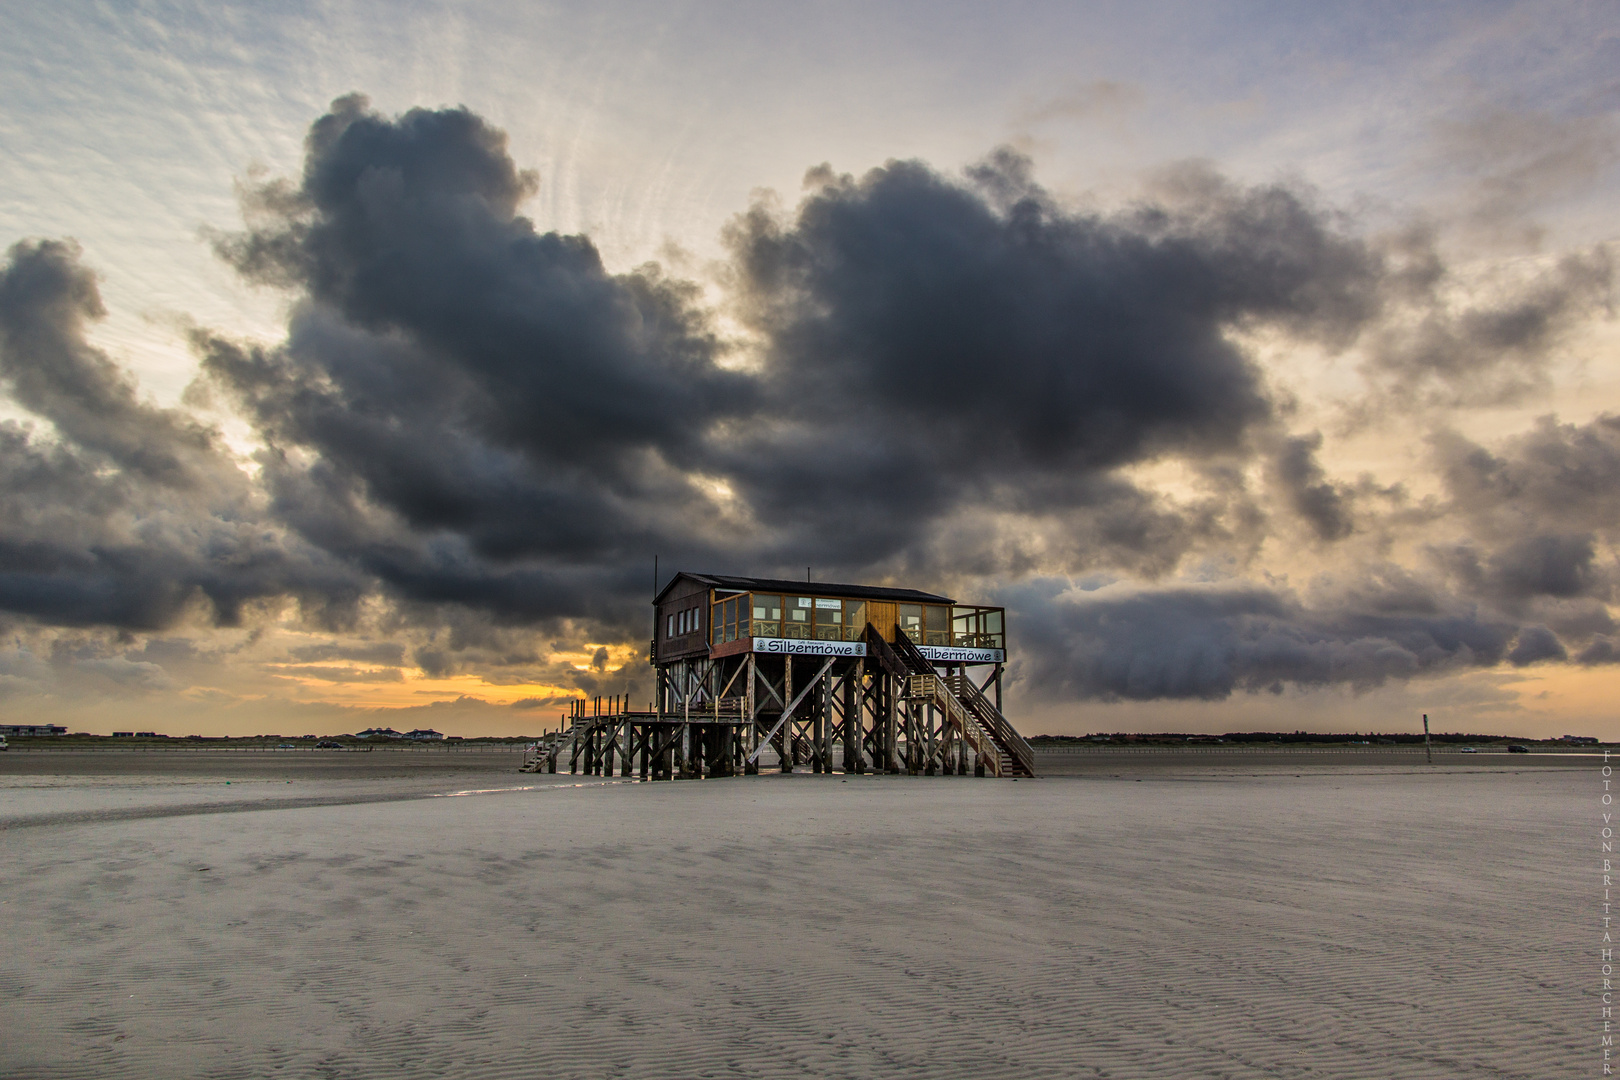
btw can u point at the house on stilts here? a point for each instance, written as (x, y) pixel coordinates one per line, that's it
(763, 672)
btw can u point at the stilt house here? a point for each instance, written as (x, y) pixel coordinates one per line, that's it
(794, 674)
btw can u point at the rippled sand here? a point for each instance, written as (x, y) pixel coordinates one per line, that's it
(1344, 923)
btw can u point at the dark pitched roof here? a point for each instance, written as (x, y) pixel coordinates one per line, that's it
(807, 588)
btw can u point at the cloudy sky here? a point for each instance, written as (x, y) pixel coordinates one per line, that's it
(1260, 357)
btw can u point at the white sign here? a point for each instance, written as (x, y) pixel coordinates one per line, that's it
(805, 647)
(951, 655)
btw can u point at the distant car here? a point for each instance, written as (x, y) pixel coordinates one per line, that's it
(328, 744)
(1517, 749)
(286, 746)
(3, 744)
(1468, 750)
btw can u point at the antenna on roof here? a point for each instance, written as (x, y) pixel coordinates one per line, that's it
(655, 575)
(807, 575)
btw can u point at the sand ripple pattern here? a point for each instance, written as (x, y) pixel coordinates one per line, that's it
(1276, 926)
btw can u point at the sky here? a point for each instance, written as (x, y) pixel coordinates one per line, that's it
(357, 360)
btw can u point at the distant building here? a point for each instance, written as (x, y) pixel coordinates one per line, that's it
(1581, 740)
(32, 729)
(423, 735)
(380, 733)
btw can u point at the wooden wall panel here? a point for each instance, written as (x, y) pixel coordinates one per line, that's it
(883, 616)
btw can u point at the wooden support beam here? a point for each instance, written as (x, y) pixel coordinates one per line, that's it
(852, 719)
(891, 722)
(787, 691)
(787, 714)
(751, 733)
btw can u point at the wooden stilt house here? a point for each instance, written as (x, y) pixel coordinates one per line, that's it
(792, 674)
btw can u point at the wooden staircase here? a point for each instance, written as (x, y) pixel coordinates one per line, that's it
(964, 704)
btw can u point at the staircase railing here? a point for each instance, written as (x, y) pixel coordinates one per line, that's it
(1005, 735)
(1020, 756)
(934, 689)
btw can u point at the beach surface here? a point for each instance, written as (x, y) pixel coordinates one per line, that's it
(431, 914)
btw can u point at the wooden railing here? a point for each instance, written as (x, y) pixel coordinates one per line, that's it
(1021, 758)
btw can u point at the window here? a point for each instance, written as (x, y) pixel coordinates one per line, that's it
(767, 616)
(797, 623)
(671, 631)
(937, 625)
(829, 625)
(854, 619)
(977, 628)
(911, 621)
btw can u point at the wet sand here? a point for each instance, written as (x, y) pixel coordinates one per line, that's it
(1179, 919)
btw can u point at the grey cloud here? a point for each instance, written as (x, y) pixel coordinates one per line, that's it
(1325, 506)
(1542, 513)
(1602, 650)
(367, 652)
(131, 516)
(1556, 473)
(47, 301)
(1210, 642)
(1535, 645)
(1544, 565)
(1492, 348)
(497, 421)
(935, 343)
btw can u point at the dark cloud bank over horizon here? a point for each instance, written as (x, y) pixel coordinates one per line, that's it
(945, 378)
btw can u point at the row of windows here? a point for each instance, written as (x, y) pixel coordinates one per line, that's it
(769, 616)
(683, 622)
(826, 619)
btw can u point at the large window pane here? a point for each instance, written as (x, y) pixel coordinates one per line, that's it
(829, 619)
(854, 619)
(767, 616)
(796, 617)
(911, 620)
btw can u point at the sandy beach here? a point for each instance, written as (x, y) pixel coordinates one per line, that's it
(444, 916)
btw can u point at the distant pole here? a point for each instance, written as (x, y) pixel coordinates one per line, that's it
(1427, 753)
(655, 575)
(807, 575)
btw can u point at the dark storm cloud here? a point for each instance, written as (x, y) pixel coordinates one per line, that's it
(131, 516)
(1002, 331)
(1209, 642)
(499, 422)
(936, 343)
